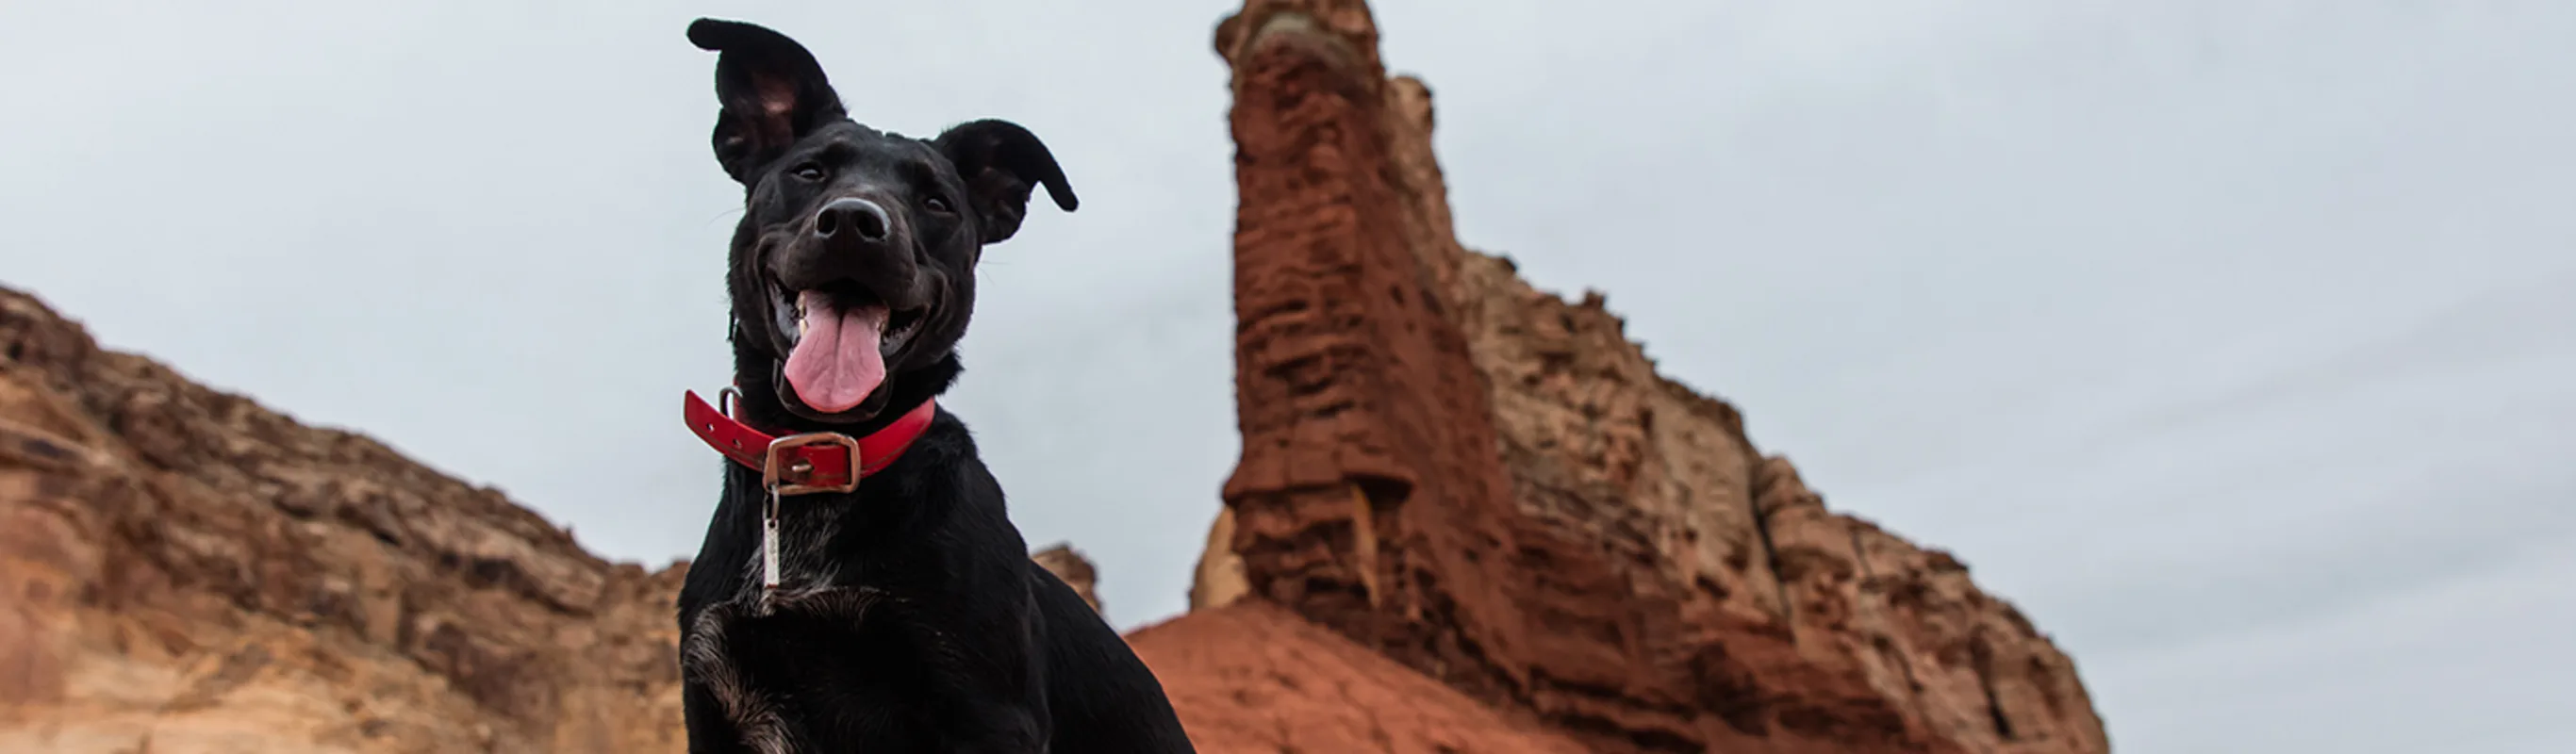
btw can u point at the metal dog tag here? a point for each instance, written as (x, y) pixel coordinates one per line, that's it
(769, 543)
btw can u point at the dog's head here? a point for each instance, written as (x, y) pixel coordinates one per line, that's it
(853, 270)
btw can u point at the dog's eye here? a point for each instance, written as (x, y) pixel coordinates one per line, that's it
(938, 204)
(808, 172)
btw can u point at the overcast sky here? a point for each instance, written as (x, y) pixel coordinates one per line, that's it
(2233, 340)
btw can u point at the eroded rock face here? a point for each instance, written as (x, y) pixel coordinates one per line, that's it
(187, 571)
(1495, 487)
(1076, 571)
(1219, 579)
(1367, 444)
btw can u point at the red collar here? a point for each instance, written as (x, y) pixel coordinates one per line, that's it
(811, 462)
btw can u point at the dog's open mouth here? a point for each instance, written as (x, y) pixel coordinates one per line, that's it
(839, 339)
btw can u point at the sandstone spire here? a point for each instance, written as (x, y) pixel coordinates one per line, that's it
(1495, 487)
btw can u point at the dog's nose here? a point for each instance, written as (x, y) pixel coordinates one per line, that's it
(853, 218)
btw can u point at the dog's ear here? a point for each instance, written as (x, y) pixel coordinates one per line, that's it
(772, 89)
(1001, 163)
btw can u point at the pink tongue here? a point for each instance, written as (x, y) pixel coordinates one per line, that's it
(836, 364)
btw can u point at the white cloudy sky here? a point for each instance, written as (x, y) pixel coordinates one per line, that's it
(2232, 339)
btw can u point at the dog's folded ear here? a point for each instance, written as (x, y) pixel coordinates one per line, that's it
(1001, 163)
(772, 89)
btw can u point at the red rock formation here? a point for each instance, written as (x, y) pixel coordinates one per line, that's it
(1252, 677)
(1367, 445)
(1495, 487)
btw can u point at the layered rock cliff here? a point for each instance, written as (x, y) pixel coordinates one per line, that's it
(1493, 486)
(188, 572)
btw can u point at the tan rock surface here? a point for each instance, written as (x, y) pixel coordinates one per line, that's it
(190, 572)
(1219, 579)
(1547, 523)
(1076, 571)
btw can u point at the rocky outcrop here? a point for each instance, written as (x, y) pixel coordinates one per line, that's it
(1219, 579)
(1494, 486)
(187, 571)
(1363, 494)
(1076, 571)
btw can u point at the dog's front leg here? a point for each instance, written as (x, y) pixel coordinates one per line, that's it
(999, 706)
(722, 710)
(992, 684)
(710, 732)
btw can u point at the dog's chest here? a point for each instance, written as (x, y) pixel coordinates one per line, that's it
(833, 653)
(741, 636)
(794, 546)
(766, 659)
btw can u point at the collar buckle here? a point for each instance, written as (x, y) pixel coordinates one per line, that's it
(807, 463)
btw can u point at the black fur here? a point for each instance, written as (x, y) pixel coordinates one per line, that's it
(910, 617)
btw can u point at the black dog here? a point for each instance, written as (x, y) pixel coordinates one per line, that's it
(899, 612)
